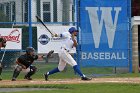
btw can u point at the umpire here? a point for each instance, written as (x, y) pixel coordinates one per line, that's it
(25, 61)
(2, 44)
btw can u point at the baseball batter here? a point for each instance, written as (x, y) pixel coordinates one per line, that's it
(25, 62)
(64, 55)
(2, 44)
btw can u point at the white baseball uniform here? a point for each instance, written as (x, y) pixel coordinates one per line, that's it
(64, 56)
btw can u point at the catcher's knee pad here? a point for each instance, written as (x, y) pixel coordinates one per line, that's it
(33, 69)
(18, 68)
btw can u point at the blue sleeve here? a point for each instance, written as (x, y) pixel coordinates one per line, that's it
(61, 35)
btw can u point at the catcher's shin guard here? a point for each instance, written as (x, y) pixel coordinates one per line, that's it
(29, 74)
(0, 73)
(16, 72)
(0, 70)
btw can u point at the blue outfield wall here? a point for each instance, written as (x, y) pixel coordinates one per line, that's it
(105, 33)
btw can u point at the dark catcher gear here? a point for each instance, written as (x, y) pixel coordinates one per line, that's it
(25, 61)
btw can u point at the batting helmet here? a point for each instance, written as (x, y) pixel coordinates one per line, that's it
(29, 50)
(73, 29)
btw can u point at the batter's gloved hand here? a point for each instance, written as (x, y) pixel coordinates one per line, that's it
(54, 35)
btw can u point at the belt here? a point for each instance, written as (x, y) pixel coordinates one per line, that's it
(65, 49)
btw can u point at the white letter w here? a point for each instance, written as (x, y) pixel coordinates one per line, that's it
(106, 18)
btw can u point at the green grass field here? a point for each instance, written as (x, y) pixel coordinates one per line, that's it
(68, 73)
(75, 88)
(87, 88)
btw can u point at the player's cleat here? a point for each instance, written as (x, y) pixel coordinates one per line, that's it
(46, 77)
(13, 79)
(85, 78)
(28, 78)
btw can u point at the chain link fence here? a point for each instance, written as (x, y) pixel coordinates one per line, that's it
(21, 14)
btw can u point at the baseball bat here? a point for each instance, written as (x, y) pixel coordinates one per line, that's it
(44, 25)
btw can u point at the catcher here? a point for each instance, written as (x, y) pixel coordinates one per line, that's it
(25, 62)
(2, 44)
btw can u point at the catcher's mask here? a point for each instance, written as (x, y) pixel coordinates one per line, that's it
(29, 50)
(3, 42)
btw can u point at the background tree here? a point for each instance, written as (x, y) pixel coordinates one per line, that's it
(4, 22)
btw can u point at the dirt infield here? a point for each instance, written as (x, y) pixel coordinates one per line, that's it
(69, 81)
